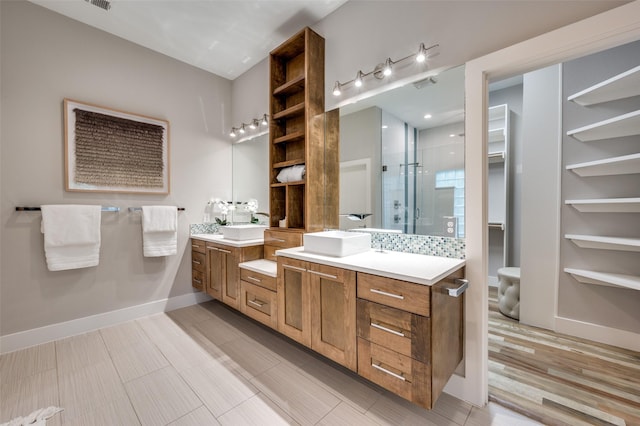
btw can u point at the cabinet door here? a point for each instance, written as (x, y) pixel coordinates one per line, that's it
(333, 313)
(216, 272)
(231, 278)
(294, 318)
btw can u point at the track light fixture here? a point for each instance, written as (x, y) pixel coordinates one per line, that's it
(252, 125)
(383, 70)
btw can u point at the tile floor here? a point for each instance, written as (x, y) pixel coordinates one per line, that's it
(207, 365)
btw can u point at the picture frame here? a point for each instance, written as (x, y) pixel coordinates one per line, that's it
(108, 150)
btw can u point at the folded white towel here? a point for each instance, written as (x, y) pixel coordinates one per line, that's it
(291, 174)
(71, 236)
(159, 230)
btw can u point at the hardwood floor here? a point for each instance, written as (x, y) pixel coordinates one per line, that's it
(558, 379)
(206, 365)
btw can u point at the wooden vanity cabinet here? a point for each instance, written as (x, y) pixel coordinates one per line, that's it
(258, 297)
(224, 273)
(198, 264)
(410, 337)
(317, 308)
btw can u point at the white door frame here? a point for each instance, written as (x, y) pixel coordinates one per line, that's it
(609, 29)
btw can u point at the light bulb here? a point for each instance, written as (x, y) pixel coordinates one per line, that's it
(336, 89)
(252, 126)
(233, 133)
(421, 56)
(427, 116)
(358, 81)
(264, 120)
(242, 130)
(387, 68)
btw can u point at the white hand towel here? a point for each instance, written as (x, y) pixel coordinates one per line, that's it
(159, 230)
(71, 236)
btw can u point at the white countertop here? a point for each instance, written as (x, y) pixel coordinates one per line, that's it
(417, 268)
(262, 266)
(218, 238)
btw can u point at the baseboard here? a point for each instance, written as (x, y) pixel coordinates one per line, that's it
(599, 333)
(36, 336)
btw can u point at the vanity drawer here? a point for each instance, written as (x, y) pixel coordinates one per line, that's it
(403, 295)
(283, 239)
(406, 333)
(197, 280)
(395, 372)
(198, 261)
(259, 303)
(198, 246)
(255, 278)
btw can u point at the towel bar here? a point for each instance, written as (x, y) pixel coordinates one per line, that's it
(139, 209)
(37, 209)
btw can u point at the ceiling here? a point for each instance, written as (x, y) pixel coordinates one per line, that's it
(224, 37)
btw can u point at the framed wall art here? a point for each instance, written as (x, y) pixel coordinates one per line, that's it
(107, 150)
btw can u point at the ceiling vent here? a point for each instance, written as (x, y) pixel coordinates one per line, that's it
(102, 4)
(425, 82)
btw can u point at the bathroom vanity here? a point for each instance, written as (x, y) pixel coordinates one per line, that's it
(394, 318)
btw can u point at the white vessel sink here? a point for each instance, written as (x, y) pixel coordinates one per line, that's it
(336, 243)
(243, 232)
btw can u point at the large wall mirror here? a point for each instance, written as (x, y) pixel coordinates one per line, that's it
(251, 178)
(402, 158)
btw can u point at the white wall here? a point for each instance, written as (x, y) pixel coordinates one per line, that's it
(45, 58)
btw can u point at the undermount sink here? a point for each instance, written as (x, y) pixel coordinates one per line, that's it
(243, 232)
(336, 243)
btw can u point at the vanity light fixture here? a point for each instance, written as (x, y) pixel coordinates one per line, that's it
(384, 69)
(252, 125)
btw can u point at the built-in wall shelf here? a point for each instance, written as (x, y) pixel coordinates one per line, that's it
(295, 85)
(496, 135)
(627, 164)
(605, 278)
(288, 163)
(283, 184)
(292, 137)
(290, 112)
(622, 125)
(623, 85)
(605, 243)
(606, 205)
(496, 225)
(496, 157)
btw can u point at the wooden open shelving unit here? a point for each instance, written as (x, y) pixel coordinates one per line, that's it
(297, 135)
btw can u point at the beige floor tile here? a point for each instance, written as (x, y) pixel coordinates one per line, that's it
(123, 336)
(161, 397)
(190, 315)
(390, 409)
(256, 411)
(89, 388)
(22, 397)
(343, 383)
(345, 415)
(26, 362)
(219, 387)
(76, 352)
(452, 408)
(218, 332)
(159, 326)
(117, 412)
(198, 417)
(496, 415)
(297, 394)
(138, 360)
(250, 357)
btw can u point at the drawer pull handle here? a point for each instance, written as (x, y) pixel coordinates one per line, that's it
(295, 268)
(388, 330)
(384, 293)
(277, 240)
(391, 373)
(195, 246)
(213, 248)
(462, 287)
(258, 280)
(322, 274)
(224, 251)
(196, 262)
(257, 303)
(197, 281)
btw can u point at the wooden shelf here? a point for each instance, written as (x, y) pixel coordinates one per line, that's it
(288, 163)
(606, 205)
(616, 127)
(496, 157)
(292, 137)
(281, 184)
(621, 86)
(604, 278)
(290, 112)
(605, 243)
(293, 86)
(625, 165)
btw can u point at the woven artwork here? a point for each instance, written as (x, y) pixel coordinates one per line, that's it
(113, 151)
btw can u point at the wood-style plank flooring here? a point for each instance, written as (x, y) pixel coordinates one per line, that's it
(558, 379)
(206, 365)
